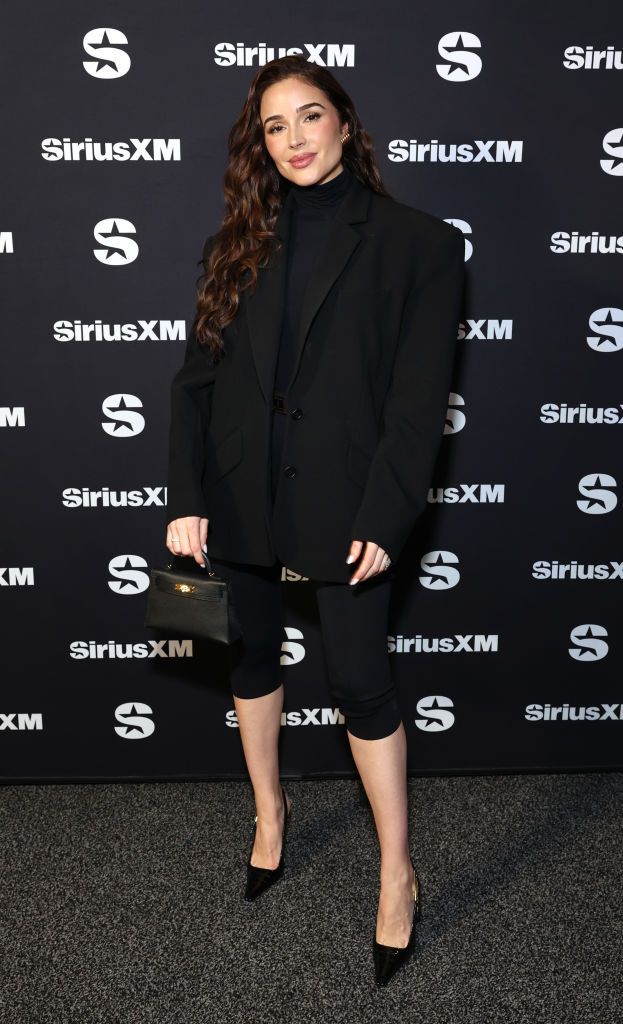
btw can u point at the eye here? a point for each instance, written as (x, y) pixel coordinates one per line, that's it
(314, 114)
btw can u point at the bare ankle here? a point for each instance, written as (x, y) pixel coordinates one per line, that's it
(396, 870)
(269, 805)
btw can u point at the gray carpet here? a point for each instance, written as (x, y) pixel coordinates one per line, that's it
(122, 903)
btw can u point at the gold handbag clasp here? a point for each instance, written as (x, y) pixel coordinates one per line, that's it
(185, 588)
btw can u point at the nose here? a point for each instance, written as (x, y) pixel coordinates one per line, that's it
(296, 140)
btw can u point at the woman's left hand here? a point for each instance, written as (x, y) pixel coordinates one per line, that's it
(371, 563)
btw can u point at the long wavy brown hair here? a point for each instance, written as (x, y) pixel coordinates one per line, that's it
(254, 192)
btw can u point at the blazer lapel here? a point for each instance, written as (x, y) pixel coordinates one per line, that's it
(265, 306)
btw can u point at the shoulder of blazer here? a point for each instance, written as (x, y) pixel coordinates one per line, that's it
(410, 221)
(407, 221)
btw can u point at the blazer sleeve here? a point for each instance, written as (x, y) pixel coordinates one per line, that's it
(416, 403)
(190, 403)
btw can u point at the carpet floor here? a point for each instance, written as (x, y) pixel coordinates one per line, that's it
(123, 903)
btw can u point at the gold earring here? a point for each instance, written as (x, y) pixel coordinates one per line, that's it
(344, 137)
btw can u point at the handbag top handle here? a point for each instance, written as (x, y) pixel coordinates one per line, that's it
(208, 564)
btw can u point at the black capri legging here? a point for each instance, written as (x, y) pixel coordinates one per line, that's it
(354, 622)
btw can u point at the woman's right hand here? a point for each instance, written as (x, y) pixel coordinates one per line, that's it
(187, 536)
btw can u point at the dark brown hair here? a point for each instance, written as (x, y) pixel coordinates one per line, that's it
(254, 192)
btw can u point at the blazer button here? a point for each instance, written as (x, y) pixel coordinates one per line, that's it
(290, 471)
(297, 414)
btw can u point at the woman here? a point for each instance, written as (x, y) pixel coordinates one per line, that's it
(305, 424)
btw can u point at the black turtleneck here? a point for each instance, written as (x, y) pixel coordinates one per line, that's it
(313, 210)
(322, 196)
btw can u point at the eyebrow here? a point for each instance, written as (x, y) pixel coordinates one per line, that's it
(275, 117)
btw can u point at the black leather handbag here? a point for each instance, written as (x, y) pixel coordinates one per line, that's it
(192, 601)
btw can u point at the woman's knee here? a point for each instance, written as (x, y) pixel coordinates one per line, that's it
(373, 722)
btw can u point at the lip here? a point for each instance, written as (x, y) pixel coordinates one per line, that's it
(302, 160)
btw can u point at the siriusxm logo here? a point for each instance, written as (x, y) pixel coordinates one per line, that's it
(577, 570)
(117, 249)
(131, 574)
(599, 498)
(461, 63)
(12, 416)
(492, 151)
(470, 643)
(306, 716)
(20, 722)
(123, 418)
(455, 418)
(141, 330)
(613, 148)
(589, 642)
(117, 649)
(435, 714)
(135, 723)
(17, 576)
(87, 150)
(292, 648)
(573, 242)
(475, 494)
(485, 330)
(242, 55)
(554, 412)
(607, 324)
(105, 497)
(573, 713)
(441, 569)
(588, 58)
(104, 45)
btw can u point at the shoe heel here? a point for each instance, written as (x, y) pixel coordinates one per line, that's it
(417, 910)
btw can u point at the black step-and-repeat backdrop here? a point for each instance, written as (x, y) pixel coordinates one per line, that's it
(505, 634)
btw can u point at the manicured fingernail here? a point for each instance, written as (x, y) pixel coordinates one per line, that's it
(205, 548)
(351, 558)
(351, 582)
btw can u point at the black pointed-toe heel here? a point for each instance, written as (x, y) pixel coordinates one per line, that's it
(387, 959)
(260, 879)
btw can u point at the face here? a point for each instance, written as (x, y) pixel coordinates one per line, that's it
(300, 124)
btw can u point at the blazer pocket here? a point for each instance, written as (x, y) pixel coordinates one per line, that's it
(357, 463)
(225, 455)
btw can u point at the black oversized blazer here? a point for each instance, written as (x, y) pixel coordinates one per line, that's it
(367, 396)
